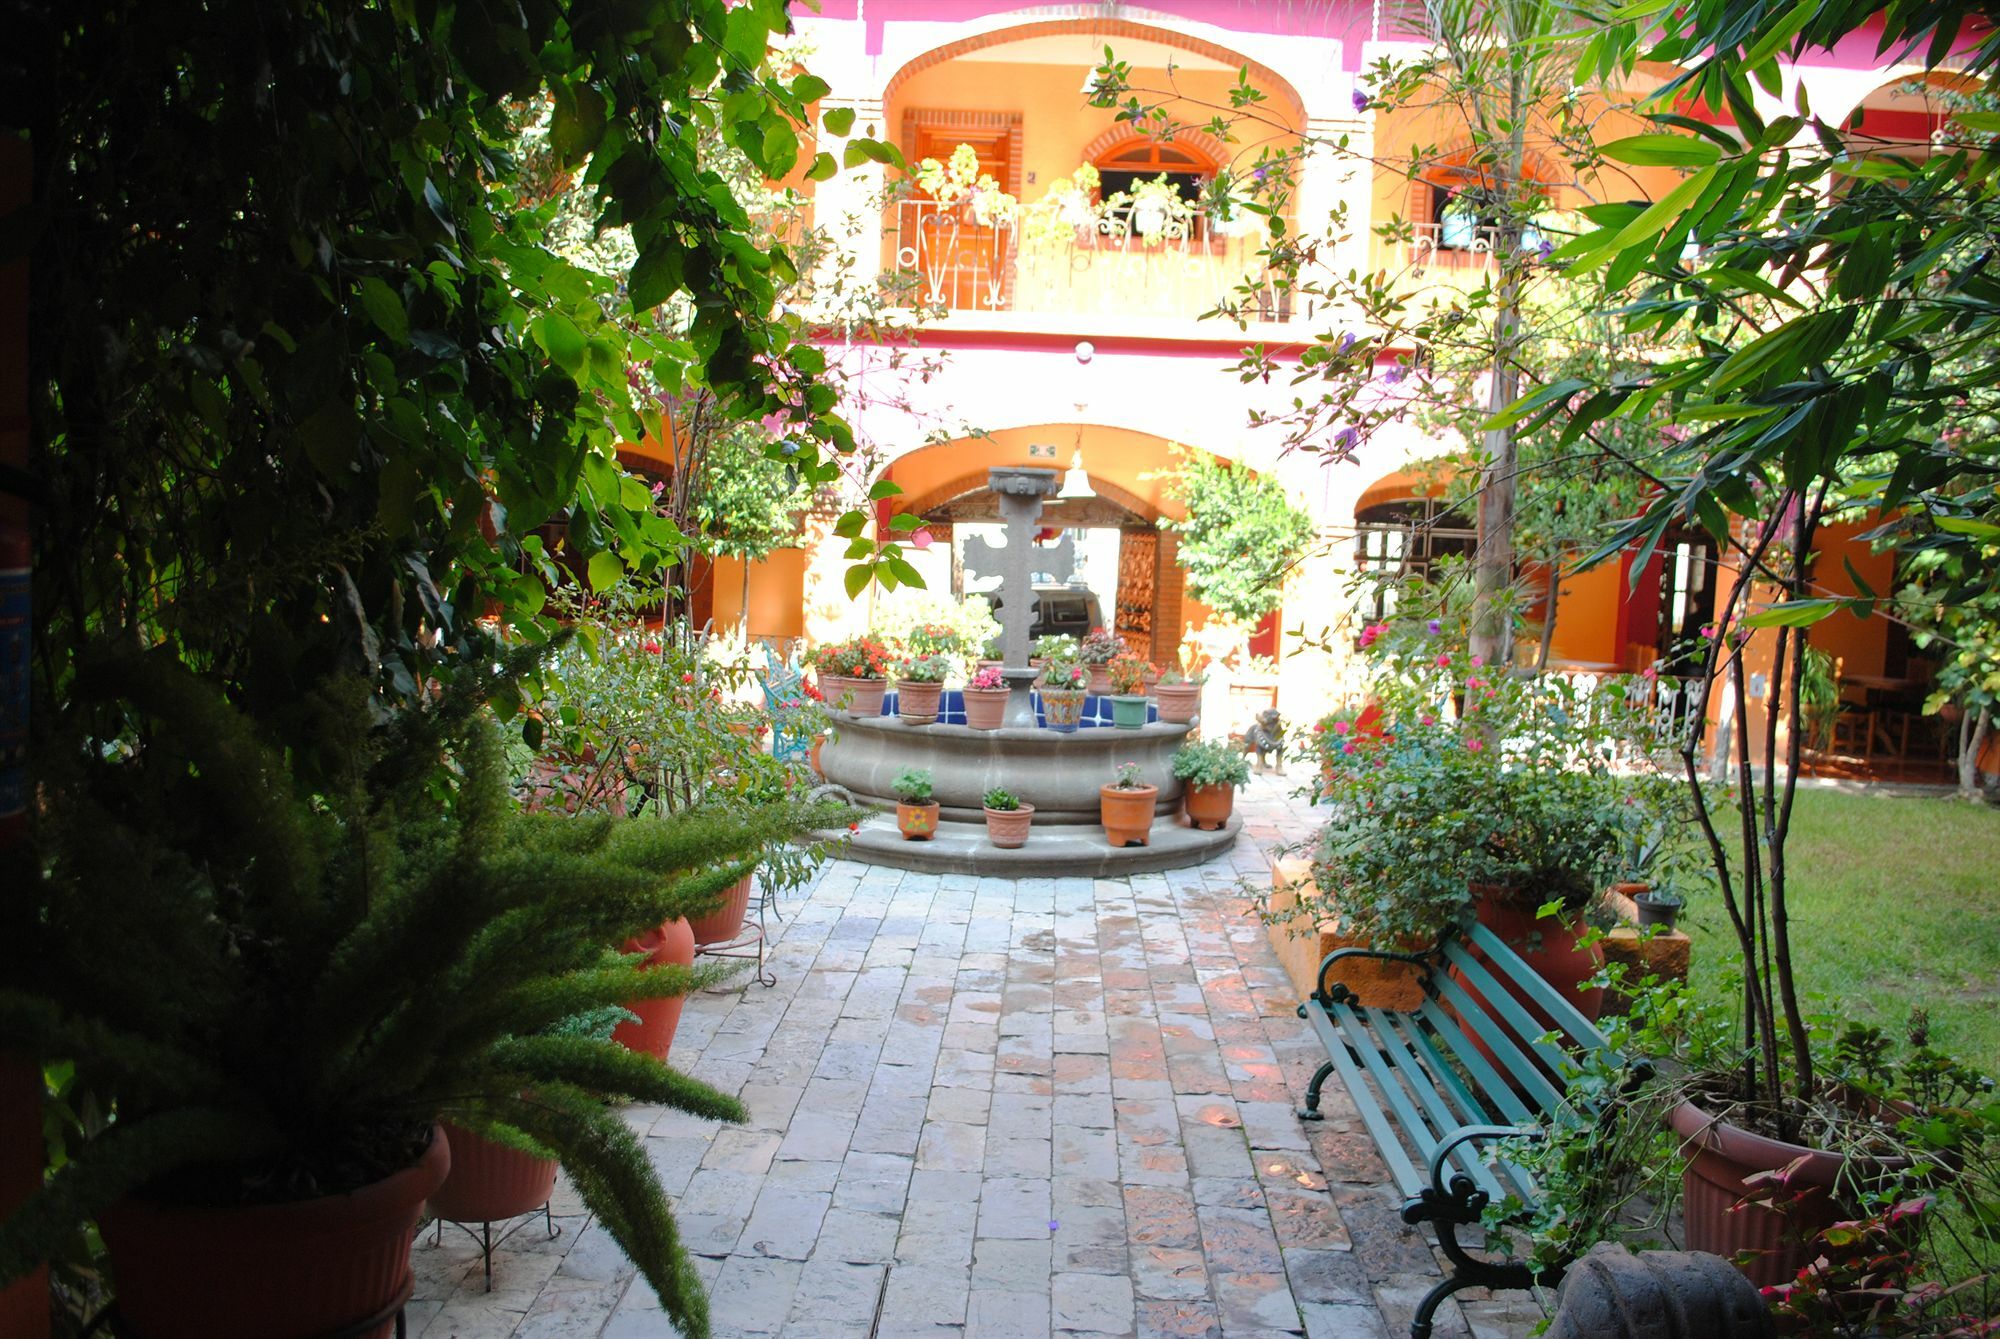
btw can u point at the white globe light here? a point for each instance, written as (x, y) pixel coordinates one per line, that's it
(1085, 351)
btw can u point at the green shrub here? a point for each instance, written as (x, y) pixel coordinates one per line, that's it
(913, 785)
(1212, 763)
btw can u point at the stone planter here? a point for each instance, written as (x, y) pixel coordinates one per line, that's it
(1127, 814)
(865, 697)
(1062, 708)
(916, 702)
(985, 708)
(318, 1266)
(1128, 713)
(1209, 807)
(917, 822)
(1178, 701)
(1008, 828)
(726, 921)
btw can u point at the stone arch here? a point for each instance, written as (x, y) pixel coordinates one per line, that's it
(1263, 76)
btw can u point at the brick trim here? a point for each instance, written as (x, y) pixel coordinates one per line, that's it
(1263, 76)
(1199, 140)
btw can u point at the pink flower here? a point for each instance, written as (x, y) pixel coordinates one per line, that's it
(1427, 720)
(1369, 635)
(1650, 672)
(1319, 727)
(1348, 747)
(687, 676)
(1474, 744)
(1475, 682)
(921, 539)
(1444, 660)
(1340, 727)
(1477, 661)
(652, 648)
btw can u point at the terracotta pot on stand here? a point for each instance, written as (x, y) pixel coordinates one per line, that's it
(1008, 828)
(272, 1271)
(1100, 681)
(916, 702)
(1209, 806)
(986, 708)
(1127, 814)
(917, 822)
(726, 921)
(653, 1033)
(1712, 1188)
(489, 1182)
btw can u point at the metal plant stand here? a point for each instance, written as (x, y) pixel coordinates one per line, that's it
(484, 1236)
(749, 941)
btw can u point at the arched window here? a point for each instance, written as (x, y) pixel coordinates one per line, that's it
(1401, 541)
(1460, 203)
(1136, 160)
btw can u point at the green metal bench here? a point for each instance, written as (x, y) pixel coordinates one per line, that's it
(1430, 1096)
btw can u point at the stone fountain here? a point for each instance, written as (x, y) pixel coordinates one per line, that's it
(1058, 773)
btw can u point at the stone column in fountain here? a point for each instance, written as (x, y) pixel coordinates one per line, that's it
(1020, 492)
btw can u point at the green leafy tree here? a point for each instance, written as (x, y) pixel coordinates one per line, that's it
(1242, 533)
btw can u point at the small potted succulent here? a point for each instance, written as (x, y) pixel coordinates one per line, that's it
(1097, 651)
(1127, 675)
(1126, 807)
(986, 697)
(916, 811)
(1007, 819)
(919, 684)
(1179, 696)
(1062, 695)
(1211, 773)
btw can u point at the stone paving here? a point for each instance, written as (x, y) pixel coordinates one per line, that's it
(999, 1109)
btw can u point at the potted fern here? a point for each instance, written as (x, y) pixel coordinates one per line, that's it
(284, 998)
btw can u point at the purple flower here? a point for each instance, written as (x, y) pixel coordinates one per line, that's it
(1432, 625)
(1394, 375)
(1545, 250)
(1347, 341)
(1360, 100)
(1347, 439)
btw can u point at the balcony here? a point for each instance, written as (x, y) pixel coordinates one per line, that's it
(1125, 263)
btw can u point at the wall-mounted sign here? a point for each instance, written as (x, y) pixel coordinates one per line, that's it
(1041, 450)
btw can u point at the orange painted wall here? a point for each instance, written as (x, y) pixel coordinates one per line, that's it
(1587, 617)
(777, 594)
(1860, 644)
(1136, 462)
(1056, 123)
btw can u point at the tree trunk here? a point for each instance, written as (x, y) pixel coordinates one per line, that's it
(1969, 749)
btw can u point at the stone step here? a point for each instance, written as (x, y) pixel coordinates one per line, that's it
(1075, 851)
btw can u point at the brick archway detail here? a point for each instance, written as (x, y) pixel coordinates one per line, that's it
(1199, 140)
(1263, 76)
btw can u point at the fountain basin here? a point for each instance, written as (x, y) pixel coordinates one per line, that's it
(1057, 773)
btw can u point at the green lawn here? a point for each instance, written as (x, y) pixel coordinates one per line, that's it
(1895, 905)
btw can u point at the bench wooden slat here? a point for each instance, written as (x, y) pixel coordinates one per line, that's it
(1467, 1109)
(1502, 1046)
(1408, 1179)
(1562, 1013)
(1526, 1030)
(1361, 1043)
(1442, 1026)
(1444, 1121)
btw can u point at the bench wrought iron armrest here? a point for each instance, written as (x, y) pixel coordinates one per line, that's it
(1320, 990)
(1442, 1157)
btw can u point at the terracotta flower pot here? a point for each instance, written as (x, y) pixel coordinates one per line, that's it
(489, 1182)
(653, 1033)
(1128, 712)
(990, 664)
(1178, 701)
(865, 697)
(1100, 681)
(271, 1271)
(1127, 814)
(1209, 806)
(726, 921)
(833, 687)
(1548, 945)
(1062, 708)
(1008, 828)
(812, 756)
(917, 822)
(917, 703)
(1721, 1156)
(985, 708)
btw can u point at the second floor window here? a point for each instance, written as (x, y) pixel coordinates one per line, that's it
(1145, 159)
